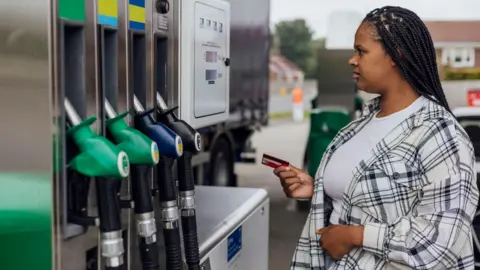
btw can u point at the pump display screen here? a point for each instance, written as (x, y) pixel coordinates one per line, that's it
(210, 75)
(211, 57)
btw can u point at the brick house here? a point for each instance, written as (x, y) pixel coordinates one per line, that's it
(456, 42)
(282, 69)
(284, 74)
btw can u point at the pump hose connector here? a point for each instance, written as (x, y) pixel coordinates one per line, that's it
(147, 232)
(121, 267)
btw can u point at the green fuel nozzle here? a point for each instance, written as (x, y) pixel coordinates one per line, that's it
(140, 149)
(98, 156)
(143, 154)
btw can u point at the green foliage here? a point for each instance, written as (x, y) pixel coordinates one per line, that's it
(295, 39)
(295, 42)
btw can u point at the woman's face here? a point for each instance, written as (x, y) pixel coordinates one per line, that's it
(372, 66)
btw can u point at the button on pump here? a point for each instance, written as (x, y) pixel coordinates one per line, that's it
(163, 6)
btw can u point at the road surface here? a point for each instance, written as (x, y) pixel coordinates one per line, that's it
(285, 140)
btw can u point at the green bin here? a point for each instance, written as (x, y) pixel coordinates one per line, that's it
(324, 125)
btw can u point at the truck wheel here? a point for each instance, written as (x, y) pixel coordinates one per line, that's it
(221, 168)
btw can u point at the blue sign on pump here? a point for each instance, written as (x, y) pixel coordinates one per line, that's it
(234, 243)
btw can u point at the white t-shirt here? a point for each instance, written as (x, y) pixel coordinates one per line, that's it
(339, 170)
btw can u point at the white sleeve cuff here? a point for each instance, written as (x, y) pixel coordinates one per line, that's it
(374, 238)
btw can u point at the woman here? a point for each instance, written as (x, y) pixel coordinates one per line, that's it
(396, 189)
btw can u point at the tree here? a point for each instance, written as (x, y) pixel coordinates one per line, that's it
(315, 45)
(295, 38)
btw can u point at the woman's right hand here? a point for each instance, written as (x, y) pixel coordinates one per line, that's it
(296, 183)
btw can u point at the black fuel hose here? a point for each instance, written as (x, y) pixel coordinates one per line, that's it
(109, 212)
(144, 212)
(186, 185)
(168, 201)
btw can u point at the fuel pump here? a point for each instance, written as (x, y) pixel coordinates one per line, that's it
(101, 159)
(192, 144)
(143, 154)
(171, 148)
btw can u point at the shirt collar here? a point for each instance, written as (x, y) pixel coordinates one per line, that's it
(430, 110)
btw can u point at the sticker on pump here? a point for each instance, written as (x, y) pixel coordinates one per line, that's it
(123, 164)
(155, 153)
(179, 145)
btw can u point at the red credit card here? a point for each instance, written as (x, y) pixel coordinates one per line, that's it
(273, 162)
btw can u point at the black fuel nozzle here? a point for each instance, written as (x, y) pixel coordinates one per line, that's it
(192, 143)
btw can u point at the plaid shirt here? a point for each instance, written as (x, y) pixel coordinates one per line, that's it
(416, 196)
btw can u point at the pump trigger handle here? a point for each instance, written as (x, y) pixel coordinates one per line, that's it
(166, 112)
(146, 112)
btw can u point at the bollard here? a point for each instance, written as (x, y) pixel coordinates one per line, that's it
(297, 105)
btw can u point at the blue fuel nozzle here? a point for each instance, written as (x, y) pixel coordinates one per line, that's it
(169, 143)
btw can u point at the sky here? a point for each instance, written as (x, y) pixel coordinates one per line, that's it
(316, 12)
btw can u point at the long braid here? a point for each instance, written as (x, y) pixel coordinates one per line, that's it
(407, 40)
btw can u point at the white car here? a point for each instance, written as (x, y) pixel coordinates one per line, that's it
(469, 118)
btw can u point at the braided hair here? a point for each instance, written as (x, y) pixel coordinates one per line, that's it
(406, 38)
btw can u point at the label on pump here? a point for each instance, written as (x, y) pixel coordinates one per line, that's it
(155, 153)
(234, 244)
(198, 142)
(123, 164)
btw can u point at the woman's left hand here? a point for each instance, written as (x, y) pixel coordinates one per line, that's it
(339, 240)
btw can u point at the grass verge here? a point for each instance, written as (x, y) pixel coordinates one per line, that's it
(283, 115)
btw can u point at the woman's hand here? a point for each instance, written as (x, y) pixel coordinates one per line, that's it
(339, 240)
(296, 183)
